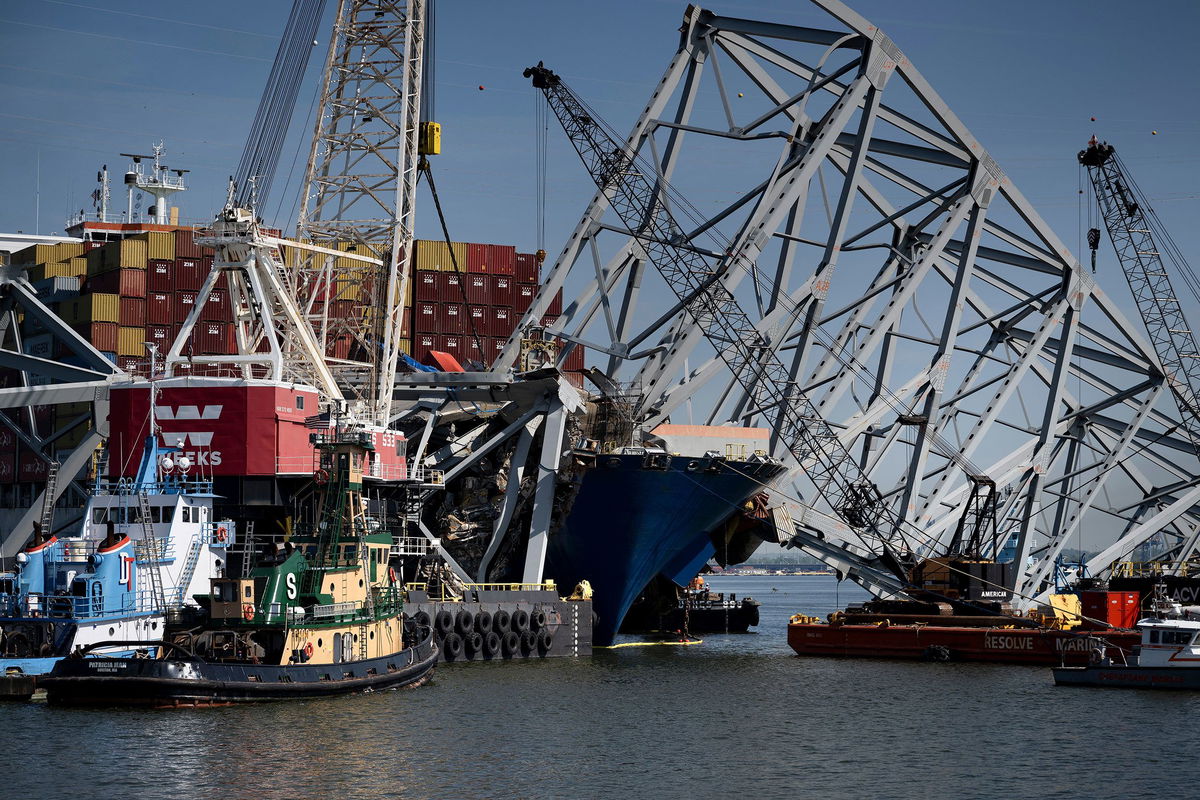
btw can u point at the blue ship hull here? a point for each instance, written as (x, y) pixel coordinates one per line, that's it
(630, 522)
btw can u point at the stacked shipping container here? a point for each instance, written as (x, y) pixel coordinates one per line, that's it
(468, 299)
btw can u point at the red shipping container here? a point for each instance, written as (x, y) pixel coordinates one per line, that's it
(523, 295)
(422, 344)
(31, 467)
(426, 285)
(1119, 609)
(211, 338)
(574, 361)
(134, 365)
(476, 348)
(503, 321)
(426, 318)
(526, 268)
(477, 258)
(555, 306)
(189, 272)
(92, 244)
(479, 320)
(160, 275)
(125, 282)
(216, 308)
(8, 466)
(132, 312)
(102, 335)
(185, 245)
(406, 324)
(8, 440)
(549, 321)
(184, 303)
(451, 287)
(502, 259)
(479, 289)
(497, 347)
(451, 344)
(452, 319)
(502, 290)
(160, 308)
(340, 348)
(160, 336)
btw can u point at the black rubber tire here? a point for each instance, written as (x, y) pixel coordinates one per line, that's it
(452, 646)
(472, 643)
(464, 623)
(528, 642)
(520, 620)
(501, 621)
(491, 645)
(511, 644)
(483, 622)
(445, 621)
(937, 652)
(422, 618)
(544, 640)
(538, 620)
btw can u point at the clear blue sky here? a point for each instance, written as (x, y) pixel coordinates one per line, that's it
(82, 81)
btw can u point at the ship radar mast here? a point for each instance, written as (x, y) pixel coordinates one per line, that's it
(160, 182)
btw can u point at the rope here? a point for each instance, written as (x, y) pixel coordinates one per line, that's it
(423, 168)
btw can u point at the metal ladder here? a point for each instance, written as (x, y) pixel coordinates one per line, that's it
(152, 559)
(363, 650)
(246, 548)
(189, 569)
(48, 499)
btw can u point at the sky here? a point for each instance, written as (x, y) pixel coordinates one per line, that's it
(83, 81)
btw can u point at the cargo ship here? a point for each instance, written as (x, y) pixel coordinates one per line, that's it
(644, 512)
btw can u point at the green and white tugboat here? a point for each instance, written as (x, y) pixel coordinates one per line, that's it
(321, 616)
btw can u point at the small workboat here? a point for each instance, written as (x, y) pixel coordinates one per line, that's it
(1168, 656)
(320, 615)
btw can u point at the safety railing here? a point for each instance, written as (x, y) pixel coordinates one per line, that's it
(386, 472)
(1139, 569)
(330, 610)
(295, 464)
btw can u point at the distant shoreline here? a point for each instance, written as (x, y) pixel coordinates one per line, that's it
(771, 572)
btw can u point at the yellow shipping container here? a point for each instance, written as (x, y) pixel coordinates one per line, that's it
(99, 307)
(436, 256)
(406, 346)
(47, 253)
(160, 245)
(133, 252)
(131, 341)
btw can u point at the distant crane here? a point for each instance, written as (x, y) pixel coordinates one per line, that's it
(1129, 222)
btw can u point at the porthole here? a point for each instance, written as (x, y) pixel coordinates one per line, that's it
(111, 631)
(319, 642)
(372, 635)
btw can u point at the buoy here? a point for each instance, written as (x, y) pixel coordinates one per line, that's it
(391, 574)
(221, 534)
(321, 476)
(1093, 119)
(1154, 133)
(481, 87)
(308, 650)
(247, 612)
(740, 94)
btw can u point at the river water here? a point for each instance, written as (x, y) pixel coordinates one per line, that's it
(737, 715)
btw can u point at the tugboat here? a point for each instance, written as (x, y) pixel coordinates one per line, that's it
(1168, 656)
(147, 545)
(322, 615)
(665, 607)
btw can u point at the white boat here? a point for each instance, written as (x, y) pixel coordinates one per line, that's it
(1168, 656)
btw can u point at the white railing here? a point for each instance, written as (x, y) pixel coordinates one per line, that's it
(387, 472)
(335, 610)
(295, 465)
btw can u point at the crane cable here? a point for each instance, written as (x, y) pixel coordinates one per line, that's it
(424, 169)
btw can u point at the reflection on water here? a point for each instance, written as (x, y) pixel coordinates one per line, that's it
(738, 712)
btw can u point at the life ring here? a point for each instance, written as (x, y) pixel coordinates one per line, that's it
(222, 534)
(247, 612)
(321, 476)
(308, 650)
(391, 574)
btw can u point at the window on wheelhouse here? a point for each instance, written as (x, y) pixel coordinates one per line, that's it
(1154, 637)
